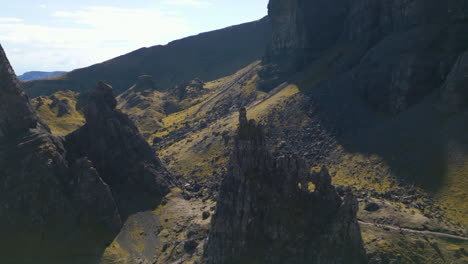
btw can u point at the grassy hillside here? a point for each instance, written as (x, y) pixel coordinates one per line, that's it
(412, 165)
(60, 123)
(208, 56)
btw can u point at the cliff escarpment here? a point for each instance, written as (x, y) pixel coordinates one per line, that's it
(398, 51)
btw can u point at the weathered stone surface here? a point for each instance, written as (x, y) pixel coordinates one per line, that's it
(401, 50)
(302, 28)
(16, 114)
(454, 93)
(63, 106)
(266, 214)
(42, 196)
(123, 158)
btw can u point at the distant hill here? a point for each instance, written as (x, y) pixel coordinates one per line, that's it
(208, 56)
(36, 75)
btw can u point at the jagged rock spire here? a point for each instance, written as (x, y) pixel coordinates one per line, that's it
(16, 114)
(123, 158)
(266, 214)
(101, 103)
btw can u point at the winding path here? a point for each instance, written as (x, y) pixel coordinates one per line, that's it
(444, 235)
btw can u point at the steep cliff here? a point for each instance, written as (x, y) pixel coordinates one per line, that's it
(303, 28)
(44, 197)
(454, 92)
(398, 51)
(267, 213)
(121, 155)
(16, 114)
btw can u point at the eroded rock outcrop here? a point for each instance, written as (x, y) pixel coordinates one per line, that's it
(191, 89)
(267, 214)
(42, 196)
(120, 154)
(63, 106)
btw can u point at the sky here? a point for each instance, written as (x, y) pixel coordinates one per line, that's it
(62, 35)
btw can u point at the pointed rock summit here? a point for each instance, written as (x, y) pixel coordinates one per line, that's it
(16, 114)
(43, 196)
(123, 158)
(267, 214)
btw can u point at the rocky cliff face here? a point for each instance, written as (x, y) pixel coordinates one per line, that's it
(120, 154)
(67, 196)
(398, 51)
(454, 92)
(16, 114)
(266, 212)
(302, 28)
(44, 196)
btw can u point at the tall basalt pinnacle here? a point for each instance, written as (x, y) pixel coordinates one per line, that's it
(123, 158)
(16, 114)
(45, 198)
(267, 214)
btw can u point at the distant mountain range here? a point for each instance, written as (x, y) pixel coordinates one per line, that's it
(37, 75)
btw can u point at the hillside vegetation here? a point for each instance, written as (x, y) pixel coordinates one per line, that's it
(415, 175)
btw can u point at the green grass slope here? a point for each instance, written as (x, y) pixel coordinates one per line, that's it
(60, 124)
(413, 165)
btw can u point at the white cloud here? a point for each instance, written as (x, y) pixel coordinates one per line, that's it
(87, 36)
(189, 2)
(62, 14)
(10, 20)
(43, 6)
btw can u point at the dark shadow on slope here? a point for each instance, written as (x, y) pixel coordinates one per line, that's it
(413, 143)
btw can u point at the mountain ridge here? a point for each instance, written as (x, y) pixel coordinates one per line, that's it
(208, 56)
(36, 75)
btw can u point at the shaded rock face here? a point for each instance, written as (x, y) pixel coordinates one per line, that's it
(16, 114)
(398, 51)
(266, 214)
(454, 92)
(123, 158)
(42, 195)
(302, 28)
